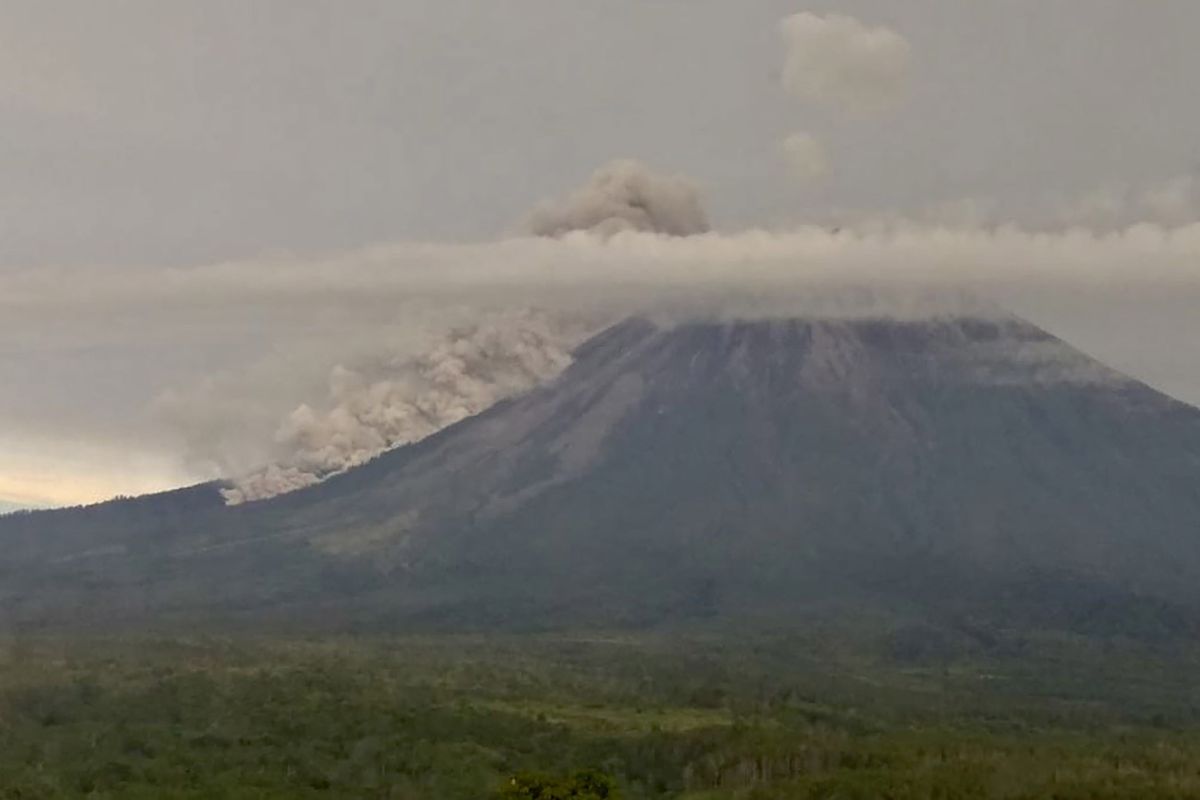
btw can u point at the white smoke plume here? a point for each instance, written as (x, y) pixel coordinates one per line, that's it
(380, 406)
(625, 195)
(805, 156)
(838, 60)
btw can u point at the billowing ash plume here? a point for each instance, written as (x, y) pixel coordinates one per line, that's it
(625, 195)
(373, 408)
(377, 407)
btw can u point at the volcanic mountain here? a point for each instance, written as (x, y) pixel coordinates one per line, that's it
(701, 473)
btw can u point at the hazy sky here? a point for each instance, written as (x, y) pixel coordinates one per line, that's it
(182, 132)
(155, 134)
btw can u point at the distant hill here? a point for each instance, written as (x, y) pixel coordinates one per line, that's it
(974, 472)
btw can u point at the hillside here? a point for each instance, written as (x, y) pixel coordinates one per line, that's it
(969, 471)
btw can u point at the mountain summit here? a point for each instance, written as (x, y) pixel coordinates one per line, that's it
(703, 472)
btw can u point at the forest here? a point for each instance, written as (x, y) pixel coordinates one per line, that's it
(818, 715)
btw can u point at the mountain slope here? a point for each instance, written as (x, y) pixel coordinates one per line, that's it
(965, 468)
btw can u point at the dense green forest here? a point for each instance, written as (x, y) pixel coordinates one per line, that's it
(909, 715)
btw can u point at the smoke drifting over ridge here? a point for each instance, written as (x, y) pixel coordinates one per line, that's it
(404, 399)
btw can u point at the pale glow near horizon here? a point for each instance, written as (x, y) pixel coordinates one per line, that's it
(47, 474)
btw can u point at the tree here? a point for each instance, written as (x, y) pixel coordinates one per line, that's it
(584, 785)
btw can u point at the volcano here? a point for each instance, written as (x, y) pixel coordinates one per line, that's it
(707, 473)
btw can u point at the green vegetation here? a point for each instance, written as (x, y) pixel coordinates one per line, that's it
(585, 785)
(588, 718)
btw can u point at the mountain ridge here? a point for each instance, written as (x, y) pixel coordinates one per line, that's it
(701, 471)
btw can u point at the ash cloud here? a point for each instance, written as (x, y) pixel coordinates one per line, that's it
(625, 195)
(377, 407)
(837, 60)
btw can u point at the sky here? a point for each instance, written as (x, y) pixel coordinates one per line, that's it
(186, 189)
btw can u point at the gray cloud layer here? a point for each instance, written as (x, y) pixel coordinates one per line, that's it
(417, 335)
